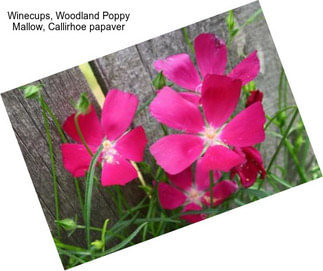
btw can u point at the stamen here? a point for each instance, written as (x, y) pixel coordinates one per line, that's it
(211, 136)
(194, 195)
(108, 152)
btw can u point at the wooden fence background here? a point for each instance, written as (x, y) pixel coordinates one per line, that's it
(130, 69)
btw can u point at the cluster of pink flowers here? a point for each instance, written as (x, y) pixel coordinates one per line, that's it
(210, 139)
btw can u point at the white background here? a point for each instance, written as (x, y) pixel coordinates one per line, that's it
(282, 232)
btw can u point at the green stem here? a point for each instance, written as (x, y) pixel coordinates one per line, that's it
(52, 161)
(280, 89)
(271, 119)
(67, 253)
(187, 40)
(280, 145)
(211, 187)
(88, 194)
(119, 200)
(145, 104)
(58, 126)
(104, 229)
(299, 167)
(144, 232)
(252, 18)
(79, 194)
(64, 140)
(158, 173)
(91, 228)
(164, 128)
(79, 132)
(282, 140)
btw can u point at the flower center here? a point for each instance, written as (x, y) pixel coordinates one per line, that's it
(108, 152)
(210, 133)
(194, 195)
(211, 136)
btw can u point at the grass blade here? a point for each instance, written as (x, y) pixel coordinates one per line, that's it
(280, 181)
(88, 194)
(257, 193)
(125, 241)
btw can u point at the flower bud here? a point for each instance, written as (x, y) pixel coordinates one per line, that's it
(230, 21)
(31, 91)
(159, 81)
(281, 119)
(249, 87)
(83, 104)
(255, 96)
(67, 224)
(299, 141)
(97, 244)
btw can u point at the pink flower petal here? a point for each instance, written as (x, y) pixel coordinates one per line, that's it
(220, 95)
(248, 173)
(211, 54)
(247, 69)
(192, 97)
(76, 158)
(176, 152)
(247, 128)
(132, 144)
(221, 191)
(193, 217)
(183, 179)
(89, 125)
(202, 176)
(118, 111)
(170, 197)
(220, 158)
(253, 154)
(180, 70)
(118, 172)
(176, 112)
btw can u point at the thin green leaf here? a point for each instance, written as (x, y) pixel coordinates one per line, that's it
(120, 226)
(271, 119)
(187, 40)
(239, 202)
(52, 161)
(257, 193)
(280, 181)
(60, 244)
(252, 18)
(69, 254)
(88, 193)
(125, 241)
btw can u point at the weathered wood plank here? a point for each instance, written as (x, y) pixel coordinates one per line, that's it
(26, 119)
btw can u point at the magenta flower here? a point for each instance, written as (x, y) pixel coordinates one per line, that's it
(192, 195)
(249, 170)
(209, 136)
(120, 145)
(211, 58)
